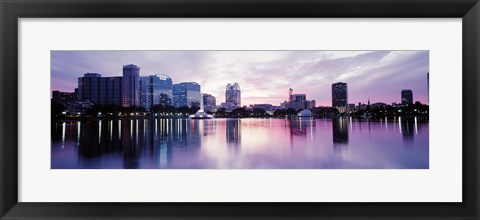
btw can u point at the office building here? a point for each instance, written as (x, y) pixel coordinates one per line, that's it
(297, 101)
(209, 103)
(407, 97)
(187, 94)
(131, 86)
(63, 97)
(94, 88)
(233, 95)
(156, 90)
(340, 96)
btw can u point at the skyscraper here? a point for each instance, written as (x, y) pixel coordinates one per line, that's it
(100, 90)
(340, 96)
(162, 90)
(111, 90)
(209, 103)
(187, 94)
(145, 92)
(88, 87)
(233, 95)
(131, 86)
(156, 89)
(407, 97)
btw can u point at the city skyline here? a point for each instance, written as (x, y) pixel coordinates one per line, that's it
(264, 76)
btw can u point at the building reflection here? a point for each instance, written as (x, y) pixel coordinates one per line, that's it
(176, 136)
(300, 129)
(161, 143)
(407, 127)
(233, 131)
(299, 126)
(131, 142)
(340, 134)
(145, 143)
(154, 140)
(63, 132)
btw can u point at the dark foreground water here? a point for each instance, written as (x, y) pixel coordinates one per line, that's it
(239, 143)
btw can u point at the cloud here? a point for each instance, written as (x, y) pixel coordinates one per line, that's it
(264, 76)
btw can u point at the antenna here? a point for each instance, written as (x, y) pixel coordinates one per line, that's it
(290, 96)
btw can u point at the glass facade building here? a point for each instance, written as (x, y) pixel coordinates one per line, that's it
(156, 89)
(233, 95)
(131, 86)
(340, 96)
(209, 103)
(100, 90)
(407, 97)
(187, 94)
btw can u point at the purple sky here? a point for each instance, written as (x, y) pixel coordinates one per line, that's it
(264, 76)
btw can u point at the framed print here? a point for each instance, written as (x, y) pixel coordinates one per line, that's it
(224, 109)
(178, 121)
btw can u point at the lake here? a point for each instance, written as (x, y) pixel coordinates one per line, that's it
(248, 143)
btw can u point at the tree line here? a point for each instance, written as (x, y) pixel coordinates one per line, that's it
(59, 109)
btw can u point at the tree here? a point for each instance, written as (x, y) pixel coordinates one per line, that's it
(290, 111)
(184, 110)
(239, 112)
(165, 109)
(221, 112)
(259, 112)
(326, 112)
(194, 109)
(279, 112)
(95, 110)
(57, 109)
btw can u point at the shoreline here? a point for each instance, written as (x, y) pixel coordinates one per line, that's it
(367, 119)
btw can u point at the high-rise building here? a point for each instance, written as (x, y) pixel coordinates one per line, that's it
(63, 97)
(299, 97)
(340, 96)
(233, 95)
(340, 134)
(407, 97)
(297, 101)
(145, 92)
(111, 90)
(187, 94)
(209, 103)
(88, 87)
(131, 85)
(99, 90)
(156, 89)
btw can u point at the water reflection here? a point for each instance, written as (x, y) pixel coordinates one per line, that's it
(264, 143)
(340, 133)
(233, 132)
(407, 127)
(300, 126)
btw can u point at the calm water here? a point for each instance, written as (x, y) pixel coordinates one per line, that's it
(239, 144)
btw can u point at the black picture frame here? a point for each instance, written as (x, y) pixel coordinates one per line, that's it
(12, 10)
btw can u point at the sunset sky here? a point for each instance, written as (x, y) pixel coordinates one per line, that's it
(264, 76)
